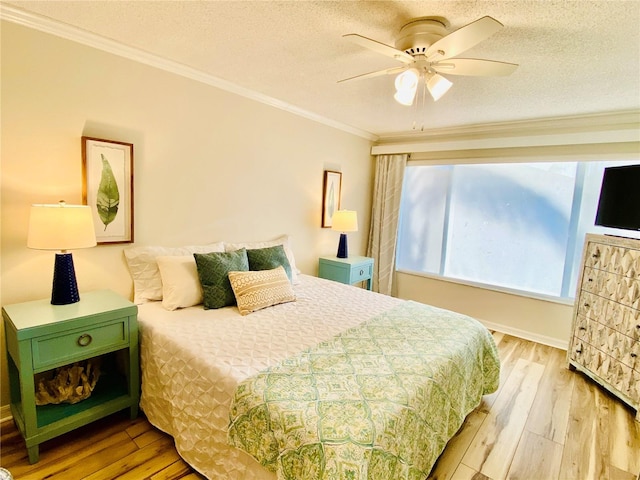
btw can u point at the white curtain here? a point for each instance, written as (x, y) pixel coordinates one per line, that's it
(384, 219)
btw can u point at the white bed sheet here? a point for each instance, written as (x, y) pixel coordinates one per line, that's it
(193, 359)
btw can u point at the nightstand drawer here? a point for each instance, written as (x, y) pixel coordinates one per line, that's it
(360, 273)
(78, 344)
(347, 270)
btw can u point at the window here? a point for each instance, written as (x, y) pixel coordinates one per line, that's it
(515, 226)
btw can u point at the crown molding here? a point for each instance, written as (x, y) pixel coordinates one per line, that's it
(609, 127)
(594, 128)
(68, 32)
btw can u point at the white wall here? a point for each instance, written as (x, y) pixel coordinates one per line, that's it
(534, 319)
(209, 165)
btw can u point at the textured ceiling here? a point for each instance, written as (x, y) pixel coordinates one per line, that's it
(575, 57)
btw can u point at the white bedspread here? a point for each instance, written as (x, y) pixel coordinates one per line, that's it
(193, 359)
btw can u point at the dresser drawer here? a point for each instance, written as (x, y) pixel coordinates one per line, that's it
(625, 380)
(591, 306)
(592, 280)
(597, 255)
(619, 346)
(612, 258)
(584, 329)
(360, 273)
(66, 347)
(628, 292)
(612, 286)
(347, 270)
(621, 318)
(577, 351)
(634, 386)
(631, 323)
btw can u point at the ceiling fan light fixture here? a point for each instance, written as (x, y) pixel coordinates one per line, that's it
(407, 80)
(406, 86)
(426, 46)
(438, 86)
(405, 97)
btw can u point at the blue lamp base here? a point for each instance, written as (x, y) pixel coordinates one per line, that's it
(343, 251)
(65, 287)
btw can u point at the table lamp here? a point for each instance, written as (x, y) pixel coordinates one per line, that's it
(61, 227)
(344, 221)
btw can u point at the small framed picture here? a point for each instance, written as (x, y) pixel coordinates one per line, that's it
(330, 196)
(107, 187)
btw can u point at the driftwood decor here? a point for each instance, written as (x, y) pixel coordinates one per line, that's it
(68, 384)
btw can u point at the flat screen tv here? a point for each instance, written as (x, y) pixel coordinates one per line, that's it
(619, 204)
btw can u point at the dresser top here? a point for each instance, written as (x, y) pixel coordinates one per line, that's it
(628, 242)
(39, 313)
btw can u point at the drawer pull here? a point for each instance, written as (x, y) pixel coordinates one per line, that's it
(84, 340)
(596, 255)
(589, 279)
(361, 272)
(586, 305)
(634, 355)
(579, 350)
(582, 328)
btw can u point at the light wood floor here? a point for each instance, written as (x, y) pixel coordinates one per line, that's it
(544, 423)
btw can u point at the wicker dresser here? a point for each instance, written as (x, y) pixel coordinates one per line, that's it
(605, 342)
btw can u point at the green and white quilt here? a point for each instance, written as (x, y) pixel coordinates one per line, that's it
(378, 401)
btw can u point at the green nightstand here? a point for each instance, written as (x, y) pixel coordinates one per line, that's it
(42, 337)
(347, 270)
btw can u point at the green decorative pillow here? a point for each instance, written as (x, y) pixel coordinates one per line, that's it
(213, 271)
(262, 289)
(269, 258)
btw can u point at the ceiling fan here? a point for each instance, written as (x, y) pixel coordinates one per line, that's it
(426, 48)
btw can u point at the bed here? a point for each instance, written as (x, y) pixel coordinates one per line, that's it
(341, 383)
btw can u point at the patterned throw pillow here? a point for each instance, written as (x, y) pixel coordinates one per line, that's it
(213, 271)
(269, 258)
(256, 290)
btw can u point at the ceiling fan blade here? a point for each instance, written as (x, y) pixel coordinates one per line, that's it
(475, 67)
(378, 73)
(379, 48)
(463, 39)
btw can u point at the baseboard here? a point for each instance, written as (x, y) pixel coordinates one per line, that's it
(5, 413)
(527, 335)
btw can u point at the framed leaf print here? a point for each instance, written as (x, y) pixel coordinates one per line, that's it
(330, 196)
(107, 170)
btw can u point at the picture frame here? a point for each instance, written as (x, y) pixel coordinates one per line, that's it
(331, 188)
(107, 187)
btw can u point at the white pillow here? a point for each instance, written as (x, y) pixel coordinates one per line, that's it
(180, 282)
(147, 283)
(284, 240)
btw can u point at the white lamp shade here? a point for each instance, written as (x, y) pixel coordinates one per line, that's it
(345, 221)
(406, 86)
(438, 86)
(405, 97)
(60, 227)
